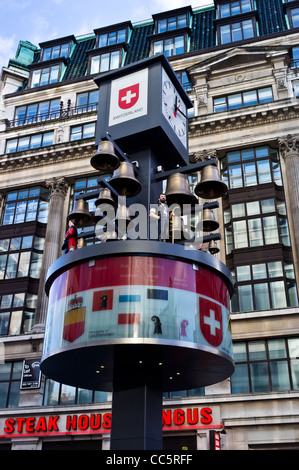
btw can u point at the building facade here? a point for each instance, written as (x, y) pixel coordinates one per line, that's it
(238, 61)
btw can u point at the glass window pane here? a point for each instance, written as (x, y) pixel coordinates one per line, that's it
(240, 379)
(158, 47)
(45, 74)
(48, 138)
(3, 259)
(28, 321)
(4, 244)
(225, 36)
(3, 389)
(9, 214)
(168, 47)
(270, 230)
(4, 323)
(27, 242)
(236, 32)
(36, 141)
(277, 348)
(247, 27)
(15, 244)
(11, 145)
(54, 74)
(64, 52)
(84, 396)
(68, 395)
(20, 212)
(114, 63)
(247, 154)
(240, 234)
(95, 65)
(224, 10)
(235, 177)
(253, 208)
(261, 296)
(15, 322)
(268, 205)
(284, 231)
(31, 210)
(6, 301)
(257, 350)
(89, 130)
(249, 174)
(104, 62)
(295, 373)
(259, 377)
(243, 273)
(220, 105)
(23, 143)
(234, 101)
(239, 352)
(11, 269)
(233, 157)
(179, 45)
(255, 232)
(24, 264)
(293, 344)
(245, 298)
(36, 264)
(238, 210)
(295, 17)
(19, 300)
(275, 269)
(264, 172)
(265, 95)
(259, 271)
(280, 376)
(250, 98)
(35, 78)
(278, 295)
(14, 395)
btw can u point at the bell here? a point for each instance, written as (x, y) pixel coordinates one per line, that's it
(124, 181)
(81, 242)
(105, 159)
(105, 198)
(209, 224)
(80, 215)
(213, 248)
(210, 185)
(178, 190)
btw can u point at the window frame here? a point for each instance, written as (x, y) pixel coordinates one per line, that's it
(30, 138)
(229, 4)
(164, 37)
(37, 116)
(233, 20)
(100, 53)
(82, 127)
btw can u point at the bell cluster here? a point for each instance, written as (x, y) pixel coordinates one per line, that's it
(109, 158)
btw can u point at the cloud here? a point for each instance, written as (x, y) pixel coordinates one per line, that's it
(8, 49)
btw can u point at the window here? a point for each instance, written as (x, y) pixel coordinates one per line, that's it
(294, 16)
(256, 223)
(184, 80)
(54, 52)
(250, 167)
(37, 112)
(45, 76)
(60, 394)
(239, 31)
(170, 24)
(105, 62)
(10, 379)
(18, 257)
(114, 37)
(264, 286)
(295, 57)
(17, 312)
(87, 101)
(234, 8)
(26, 205)
(84, 131)
(242, 100)
(30, 142)
(266, 365)
(170, 46)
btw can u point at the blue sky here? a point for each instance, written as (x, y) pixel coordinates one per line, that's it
(41, 20)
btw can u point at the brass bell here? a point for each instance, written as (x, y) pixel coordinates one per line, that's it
(209, 223)
(105, 159)
(210, 185)
(178, 190)
(105, 198)
(80, 214)
(124, 181)
(213, 248)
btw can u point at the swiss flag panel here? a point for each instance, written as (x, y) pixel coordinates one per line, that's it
(210, 316)
(128, 96)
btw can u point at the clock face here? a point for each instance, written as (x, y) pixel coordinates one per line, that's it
(174, 109)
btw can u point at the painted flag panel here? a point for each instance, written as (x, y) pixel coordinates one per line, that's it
(74, 324)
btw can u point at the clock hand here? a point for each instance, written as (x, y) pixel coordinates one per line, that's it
(181, 112)
(176, 110)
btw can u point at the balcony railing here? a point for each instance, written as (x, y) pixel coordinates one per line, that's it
(62, 113)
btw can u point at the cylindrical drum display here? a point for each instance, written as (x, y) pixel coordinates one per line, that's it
(167, 313)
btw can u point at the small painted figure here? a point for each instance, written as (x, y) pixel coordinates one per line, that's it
(158, 325)
(71, 238)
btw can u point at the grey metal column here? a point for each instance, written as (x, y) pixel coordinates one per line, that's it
(58, 189)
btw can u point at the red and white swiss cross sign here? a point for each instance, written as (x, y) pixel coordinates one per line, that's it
(210, 316)
(128, 97)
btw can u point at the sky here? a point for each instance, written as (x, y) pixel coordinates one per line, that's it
(42, 20)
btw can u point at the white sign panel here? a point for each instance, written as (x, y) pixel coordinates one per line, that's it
(129, 96)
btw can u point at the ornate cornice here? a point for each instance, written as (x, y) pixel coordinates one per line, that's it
(289, 145)
(209, 124)
(51, 155)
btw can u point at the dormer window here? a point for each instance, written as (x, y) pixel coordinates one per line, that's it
(234, 8)
(172, 32)
(115, 34)
(57, 48)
